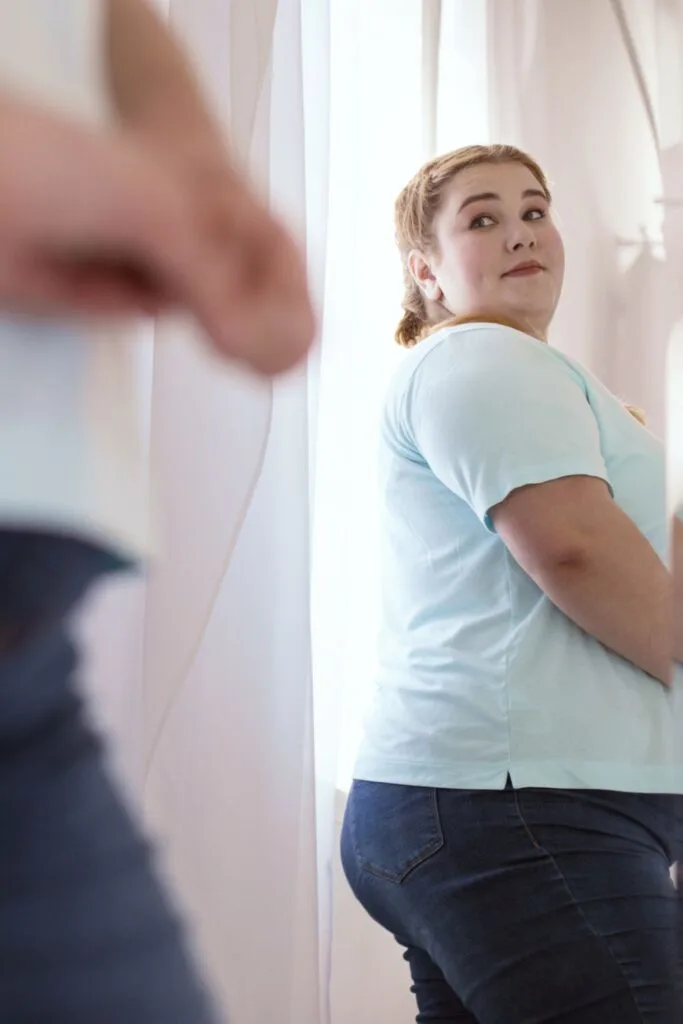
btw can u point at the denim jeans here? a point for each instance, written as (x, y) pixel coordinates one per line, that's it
(87, 935)
(523, 906)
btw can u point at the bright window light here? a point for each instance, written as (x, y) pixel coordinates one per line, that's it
(378, 104)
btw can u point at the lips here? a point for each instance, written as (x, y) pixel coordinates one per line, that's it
(522, 269)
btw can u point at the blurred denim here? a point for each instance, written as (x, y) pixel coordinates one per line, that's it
(86, 934)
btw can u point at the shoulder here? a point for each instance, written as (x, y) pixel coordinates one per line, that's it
(469, 374)
(486, 355)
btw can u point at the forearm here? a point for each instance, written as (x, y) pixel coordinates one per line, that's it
(151, 80)
(619, 592)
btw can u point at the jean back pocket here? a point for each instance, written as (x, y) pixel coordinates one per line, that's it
(392, 829)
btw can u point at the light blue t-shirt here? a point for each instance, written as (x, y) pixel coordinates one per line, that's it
(480, 675)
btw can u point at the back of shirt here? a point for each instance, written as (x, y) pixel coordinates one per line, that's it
(70, 455)
(480, 675)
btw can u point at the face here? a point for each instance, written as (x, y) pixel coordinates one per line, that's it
(499, 251)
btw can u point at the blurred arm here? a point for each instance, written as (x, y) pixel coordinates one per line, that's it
(151, 79)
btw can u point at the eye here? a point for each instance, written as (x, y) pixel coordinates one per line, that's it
(536, 214)
(479, 222)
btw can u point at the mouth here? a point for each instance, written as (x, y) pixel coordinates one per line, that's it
(525, 269)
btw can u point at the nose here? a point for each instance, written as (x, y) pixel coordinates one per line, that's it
(521, 236)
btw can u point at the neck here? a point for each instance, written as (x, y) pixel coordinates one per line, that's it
(522, 324)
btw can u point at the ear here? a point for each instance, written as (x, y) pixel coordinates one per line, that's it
(422, 274)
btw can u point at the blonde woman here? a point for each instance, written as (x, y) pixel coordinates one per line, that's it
(512, 816)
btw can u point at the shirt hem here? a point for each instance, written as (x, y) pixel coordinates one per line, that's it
(620, 778)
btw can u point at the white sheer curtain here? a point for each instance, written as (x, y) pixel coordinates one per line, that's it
(376, 115)
(572, 82)
(204, 673)
(394, 104)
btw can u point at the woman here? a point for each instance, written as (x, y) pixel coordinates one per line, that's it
(512, 818)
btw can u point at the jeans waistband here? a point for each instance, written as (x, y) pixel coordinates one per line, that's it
(42, 576)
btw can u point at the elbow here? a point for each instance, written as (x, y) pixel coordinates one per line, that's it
(572, 556)
(569, 557)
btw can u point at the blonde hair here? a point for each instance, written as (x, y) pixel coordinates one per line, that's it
(637, 413)
(415, 210)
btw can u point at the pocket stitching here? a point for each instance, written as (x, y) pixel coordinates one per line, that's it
(427, 851)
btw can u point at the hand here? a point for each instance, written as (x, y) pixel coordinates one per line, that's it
(87, 223)
(271, 322)
(94, 223)
(266, 319)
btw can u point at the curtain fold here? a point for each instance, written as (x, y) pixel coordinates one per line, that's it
(230, 779)
(204, 672)
(432, 13)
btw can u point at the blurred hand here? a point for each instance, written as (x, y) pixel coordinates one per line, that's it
(272, 322)
(87, 222)
(97, 223)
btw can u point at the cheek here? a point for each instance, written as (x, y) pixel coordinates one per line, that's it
(555, 249)
(474, 259)
(468, 268)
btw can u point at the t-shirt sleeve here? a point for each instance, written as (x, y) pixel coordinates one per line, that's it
(491, 411)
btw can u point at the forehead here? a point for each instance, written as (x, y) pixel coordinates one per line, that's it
(509, 181)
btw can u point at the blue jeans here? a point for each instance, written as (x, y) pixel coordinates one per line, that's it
(87, 935)
(523, 906)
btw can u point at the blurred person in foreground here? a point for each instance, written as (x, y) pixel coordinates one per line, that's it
(118, 198)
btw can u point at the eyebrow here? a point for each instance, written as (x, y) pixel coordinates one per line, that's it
(528, 194)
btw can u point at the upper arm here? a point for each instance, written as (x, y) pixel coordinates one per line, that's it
(509, 429)
(676, 559)
(677, 571)
(554, 523)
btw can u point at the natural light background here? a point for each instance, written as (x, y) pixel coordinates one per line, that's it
(386, 74)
